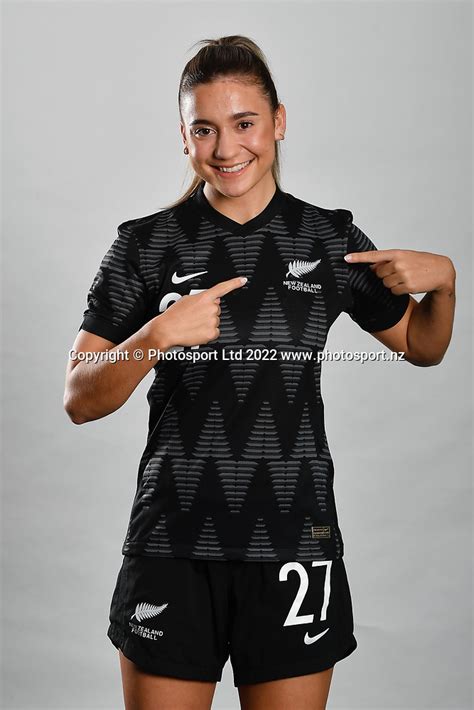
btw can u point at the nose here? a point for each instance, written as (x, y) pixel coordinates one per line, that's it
(226, 146)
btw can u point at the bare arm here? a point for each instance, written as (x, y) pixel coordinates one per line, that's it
(425, 331)
(96, 389)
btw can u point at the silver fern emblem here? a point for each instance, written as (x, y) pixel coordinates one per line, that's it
(147, 611)
(299, 268)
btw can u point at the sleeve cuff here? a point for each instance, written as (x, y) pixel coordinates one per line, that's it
(390, 318)
(104, 329)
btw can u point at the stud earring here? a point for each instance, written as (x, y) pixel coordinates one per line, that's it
(185, 151)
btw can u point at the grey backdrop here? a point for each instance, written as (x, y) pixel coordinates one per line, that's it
(378, 97)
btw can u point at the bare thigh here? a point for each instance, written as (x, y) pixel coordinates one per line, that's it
(145, 691)
(305, 692)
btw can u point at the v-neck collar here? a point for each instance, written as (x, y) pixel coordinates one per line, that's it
(203, 205)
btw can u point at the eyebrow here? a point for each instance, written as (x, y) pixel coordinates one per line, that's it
(235, 116)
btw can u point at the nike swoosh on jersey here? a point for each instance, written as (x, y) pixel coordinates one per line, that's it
(311, 639)
(178, 279)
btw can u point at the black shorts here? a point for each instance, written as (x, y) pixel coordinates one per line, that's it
(183, 617)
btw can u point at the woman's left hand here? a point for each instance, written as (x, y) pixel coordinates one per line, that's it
(407, 271)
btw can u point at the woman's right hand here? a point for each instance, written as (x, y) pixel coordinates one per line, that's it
(194, 319)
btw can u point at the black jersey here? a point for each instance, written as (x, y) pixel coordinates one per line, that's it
(237, 463)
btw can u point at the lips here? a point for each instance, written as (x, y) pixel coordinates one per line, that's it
(236, 172)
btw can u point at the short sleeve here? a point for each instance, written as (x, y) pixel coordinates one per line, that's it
(371, 304)
(117, 299)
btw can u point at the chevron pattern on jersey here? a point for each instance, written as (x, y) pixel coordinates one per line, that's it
(243, 376)
(292, 372)
(208, 545)
(237, 463)
(235, 477)
(270, 323)
(260, 546)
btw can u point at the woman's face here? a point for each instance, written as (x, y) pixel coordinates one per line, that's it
(216, 136)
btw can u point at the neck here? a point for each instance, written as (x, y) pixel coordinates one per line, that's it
(242, 207)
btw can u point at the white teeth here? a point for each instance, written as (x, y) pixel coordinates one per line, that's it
(235, 169)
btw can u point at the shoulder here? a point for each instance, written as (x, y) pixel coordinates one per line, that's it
(146, 223)
(149, 231)
(338, 217)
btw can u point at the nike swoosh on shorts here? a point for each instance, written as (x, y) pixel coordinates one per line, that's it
(311, 639)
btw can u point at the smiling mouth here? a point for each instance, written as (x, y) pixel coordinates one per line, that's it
(231, 170)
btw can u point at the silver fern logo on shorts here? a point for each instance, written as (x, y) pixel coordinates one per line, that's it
(299, 269)
(147, 611)
(144, 610)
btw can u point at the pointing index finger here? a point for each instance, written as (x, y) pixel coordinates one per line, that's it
(369, 256)
(224, 287)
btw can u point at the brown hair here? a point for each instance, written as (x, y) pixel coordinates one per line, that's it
(228, 56)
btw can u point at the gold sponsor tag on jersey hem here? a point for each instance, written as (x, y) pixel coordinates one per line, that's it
(320, 531)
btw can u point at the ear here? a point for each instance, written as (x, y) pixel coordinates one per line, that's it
(280, 121)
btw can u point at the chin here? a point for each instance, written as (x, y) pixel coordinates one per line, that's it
(237, 187)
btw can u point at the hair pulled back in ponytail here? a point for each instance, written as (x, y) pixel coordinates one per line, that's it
(234, 55)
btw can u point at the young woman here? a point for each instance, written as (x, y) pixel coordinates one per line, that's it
(233, 545)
